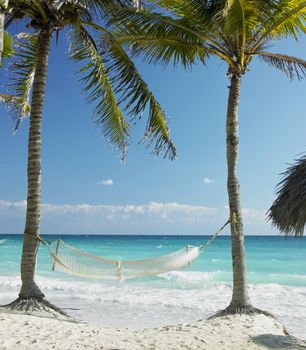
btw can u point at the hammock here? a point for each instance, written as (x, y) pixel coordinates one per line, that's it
(68, 259)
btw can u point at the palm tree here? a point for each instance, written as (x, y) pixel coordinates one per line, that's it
(107, 72)
(3, 7)
(235, 31)
(288, 212)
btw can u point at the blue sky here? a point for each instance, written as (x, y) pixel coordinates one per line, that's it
(86, 189)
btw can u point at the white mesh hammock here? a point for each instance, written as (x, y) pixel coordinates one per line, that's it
(71, 260)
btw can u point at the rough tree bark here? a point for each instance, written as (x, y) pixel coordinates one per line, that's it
(240, 299)
(30, 296)
(32, 226)
(240, 302)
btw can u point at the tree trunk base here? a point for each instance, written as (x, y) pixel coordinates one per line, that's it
(245, 310)
(36, 306)
(239, 310)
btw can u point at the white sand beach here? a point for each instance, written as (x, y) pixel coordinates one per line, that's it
(23, 332)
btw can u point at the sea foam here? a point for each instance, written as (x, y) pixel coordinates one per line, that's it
(189, 276)
(276, 273)
(152, 304)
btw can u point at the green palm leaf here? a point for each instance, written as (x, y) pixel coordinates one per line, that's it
(161, 39)
(23, 70)
(135, 95)
(199, 11)
(290, 20)
(98, 88)
(7, 46)
(286, 18)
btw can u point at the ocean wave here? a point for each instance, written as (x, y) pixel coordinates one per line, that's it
(189, 276)
(86, 288)
(2, 240)
(10, 282)
(151, 304)
(288, 275)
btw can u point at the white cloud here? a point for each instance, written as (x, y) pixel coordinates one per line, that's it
(152, 208)
(153, 217)
(12, 205)
(254, 215)
(149, 218)
(208, 181)
(168, 208)
(107, 182)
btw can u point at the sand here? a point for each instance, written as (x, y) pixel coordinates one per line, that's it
(22, 332)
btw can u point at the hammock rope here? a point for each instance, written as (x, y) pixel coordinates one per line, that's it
(69, 259)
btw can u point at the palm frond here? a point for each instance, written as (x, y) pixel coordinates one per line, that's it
(135, 95)
(238, 22)
(23, 70)
(159, 24)
(197, 11)
(98, 88)
(164, 51)
(160, 39)
(14, 103)
(234, 17)
(288, 212)
(284, 19)
(17, 10)
(290, 20)
(97, 9)
(7, 46)
(104, 6)
(293, 67)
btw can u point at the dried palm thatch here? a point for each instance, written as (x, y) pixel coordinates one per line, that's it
(288, 212)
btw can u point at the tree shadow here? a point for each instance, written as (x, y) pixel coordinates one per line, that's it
(272, 341)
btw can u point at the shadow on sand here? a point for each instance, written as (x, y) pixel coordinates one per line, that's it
(287, 342)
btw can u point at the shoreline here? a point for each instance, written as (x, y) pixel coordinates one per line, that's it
(138, 305)
(160, 304)
(239, 332)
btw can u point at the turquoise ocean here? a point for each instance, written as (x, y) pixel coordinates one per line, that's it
(276, 276)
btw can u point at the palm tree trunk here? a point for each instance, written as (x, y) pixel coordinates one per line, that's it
(29, 289)
(3, 7)
(240, 300)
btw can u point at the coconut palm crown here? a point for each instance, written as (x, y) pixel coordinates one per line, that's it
(236, 31)
(109, 79)
(108, 76)
(288, 212)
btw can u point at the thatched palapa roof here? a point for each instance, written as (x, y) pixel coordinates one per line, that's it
(288, 212)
